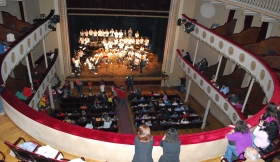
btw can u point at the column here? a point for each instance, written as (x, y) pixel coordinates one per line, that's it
(49, 86)
(218, 68)
(188, 90)
(50, 95)
(29, 72)
(194, 58)
(206, 114)
(248, 93)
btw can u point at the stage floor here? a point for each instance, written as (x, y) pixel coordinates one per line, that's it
(107, 71)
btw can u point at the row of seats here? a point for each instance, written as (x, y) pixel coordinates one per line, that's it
(31, 154)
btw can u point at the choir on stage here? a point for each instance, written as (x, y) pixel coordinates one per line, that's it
(118, 47)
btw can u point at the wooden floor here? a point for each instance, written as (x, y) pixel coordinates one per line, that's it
(10, 132)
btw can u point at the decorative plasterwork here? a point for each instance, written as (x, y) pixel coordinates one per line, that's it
(64, 36)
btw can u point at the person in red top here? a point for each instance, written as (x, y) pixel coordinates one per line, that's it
(27, 91)
(123, 97)
(90, 86)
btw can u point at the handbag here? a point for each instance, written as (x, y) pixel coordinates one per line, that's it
(232, 143)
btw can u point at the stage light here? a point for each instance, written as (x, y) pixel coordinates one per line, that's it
(55, 19)
(190, 28)
(179, 22)
(214, 26)
(50, 26)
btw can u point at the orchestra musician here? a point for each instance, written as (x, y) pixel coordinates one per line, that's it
(129, 33)
(136, 34)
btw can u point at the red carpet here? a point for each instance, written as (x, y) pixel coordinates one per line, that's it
(124, 119)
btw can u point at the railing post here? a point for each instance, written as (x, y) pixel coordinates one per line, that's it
(29, 72)
(188, 90)
(206, 114)
(194, 58)
(46, 62)
(248, 93)
(218, 68)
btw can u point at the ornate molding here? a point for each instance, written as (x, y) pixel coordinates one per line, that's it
(64, 37)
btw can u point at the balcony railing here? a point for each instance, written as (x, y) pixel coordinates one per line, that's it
(245, 59)
(211, 91)
(269, 8)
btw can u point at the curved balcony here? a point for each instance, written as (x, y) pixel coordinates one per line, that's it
(211, 91)
(250, 62)
(269, 8)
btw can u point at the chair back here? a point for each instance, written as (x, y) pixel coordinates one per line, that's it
(20, 153)
(40, 158)
(2, 159)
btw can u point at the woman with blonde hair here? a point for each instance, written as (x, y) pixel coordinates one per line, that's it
(143, 145)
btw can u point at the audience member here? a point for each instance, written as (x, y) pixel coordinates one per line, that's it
(252, 155)
(202, 65)
(233, 98)
(170, 144)
(143, 145)
(182, 84)
(89, 125)
(20, 95)
(270, 113)
(224, 89)
(107, 122)
(27, 91)
(264, 135)
(188, 57)
(239, 104)
(242, 138)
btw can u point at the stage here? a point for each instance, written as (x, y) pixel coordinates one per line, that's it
(151, 74)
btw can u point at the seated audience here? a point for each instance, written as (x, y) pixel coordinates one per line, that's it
(89, 125)
(202, 65)
(170, 144)
(233, 98)
(20, 95)
(179, 108)
(216, 85)
(224, 89)
(107, 122)
(239, 139)
(252, 155)
(175, 115)
(264, 135)
(27, 91)
(188, 57)
(239, 104)
(270, 113)
(149, 123)
(185, 121)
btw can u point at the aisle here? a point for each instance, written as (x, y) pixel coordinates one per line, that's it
(125, 125)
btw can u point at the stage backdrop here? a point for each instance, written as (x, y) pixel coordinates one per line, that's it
(153, 28)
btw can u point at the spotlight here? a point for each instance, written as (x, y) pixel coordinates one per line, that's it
(190, 28)
(51, 26)
(55, 19)
(214, 26)
(187, 24)
(179, 22)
